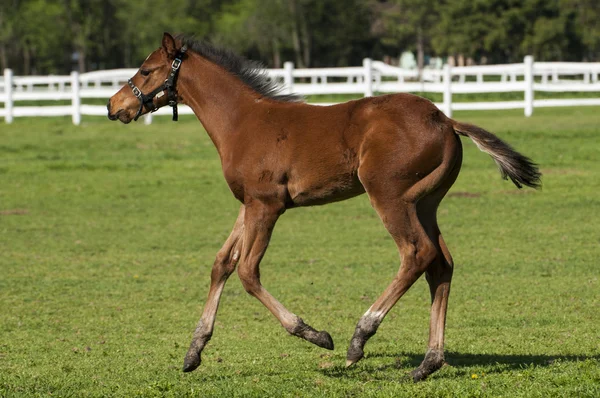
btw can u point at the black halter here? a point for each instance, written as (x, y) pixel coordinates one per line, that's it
(147, 100)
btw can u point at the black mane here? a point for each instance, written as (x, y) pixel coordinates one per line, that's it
(251, 73)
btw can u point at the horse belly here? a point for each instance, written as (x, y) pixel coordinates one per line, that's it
(319, 191)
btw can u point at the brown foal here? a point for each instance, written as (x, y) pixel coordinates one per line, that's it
(278, 153)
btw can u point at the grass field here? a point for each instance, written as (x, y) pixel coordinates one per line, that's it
(108, 233)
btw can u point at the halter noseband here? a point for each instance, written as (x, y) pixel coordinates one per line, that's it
(147, 100)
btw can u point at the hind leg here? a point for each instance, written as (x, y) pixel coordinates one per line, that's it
(407, 202)
(417, 252)
(439, 277)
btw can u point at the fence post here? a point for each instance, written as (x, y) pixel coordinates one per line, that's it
(368, 77)
(75, 100)
(148, 118)
(528, 61)
(8, 91)
(448, 90)
(288, 77)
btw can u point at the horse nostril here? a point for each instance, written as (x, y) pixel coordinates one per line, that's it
(108, 106)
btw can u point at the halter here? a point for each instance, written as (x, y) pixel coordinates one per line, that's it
(147, 100)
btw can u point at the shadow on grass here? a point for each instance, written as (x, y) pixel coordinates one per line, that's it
(397, 367)
(459, 363)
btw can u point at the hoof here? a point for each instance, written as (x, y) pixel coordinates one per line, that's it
(434, 360)
(324, 340)
(418, 374)
(191, 361)
(306, 332)
(353, 356)
(365, 329)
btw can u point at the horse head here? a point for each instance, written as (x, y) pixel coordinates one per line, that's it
(152, 87)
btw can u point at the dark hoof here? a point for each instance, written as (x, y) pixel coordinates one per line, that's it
(434, 360)
(191, 361)
(324, 340)
(308, 333)
(418, 374)
(353, 356)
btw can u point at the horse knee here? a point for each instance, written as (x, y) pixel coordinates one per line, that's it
(419, 255)
(250, 281)
(225, 263)
(428, 254)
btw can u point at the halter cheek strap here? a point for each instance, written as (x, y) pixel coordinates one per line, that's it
(147, 100)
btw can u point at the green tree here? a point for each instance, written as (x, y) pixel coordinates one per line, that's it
(143, 23)
(7, 32)
(261, 24)
(40, 35)
(53, 36)
(340, 32)
(84, 20)
(311, 32)
(507, 30)
(584, 19)
(410, 23)
(476, 28)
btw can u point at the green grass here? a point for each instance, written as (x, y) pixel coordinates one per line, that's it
(108, 233)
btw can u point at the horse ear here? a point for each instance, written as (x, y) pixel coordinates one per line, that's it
(168, 44)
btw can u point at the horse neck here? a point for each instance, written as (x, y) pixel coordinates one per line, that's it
(217, 98)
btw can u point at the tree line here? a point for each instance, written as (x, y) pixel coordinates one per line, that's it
(57, 36)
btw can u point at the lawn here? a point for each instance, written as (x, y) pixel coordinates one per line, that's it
(108, 233)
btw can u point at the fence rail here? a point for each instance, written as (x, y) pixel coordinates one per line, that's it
(371, 77)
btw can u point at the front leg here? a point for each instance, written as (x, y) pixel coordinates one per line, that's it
(224, 266)
(259, 222)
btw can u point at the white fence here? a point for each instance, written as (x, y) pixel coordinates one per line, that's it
(372, 77)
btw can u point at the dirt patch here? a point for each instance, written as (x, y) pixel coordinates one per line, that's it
(14, 212)
(460, 194)
(517, 191)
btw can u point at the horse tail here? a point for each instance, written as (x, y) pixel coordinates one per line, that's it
(520, 169)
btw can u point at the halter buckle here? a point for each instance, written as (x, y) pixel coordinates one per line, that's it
(176, 64)
(136, 91)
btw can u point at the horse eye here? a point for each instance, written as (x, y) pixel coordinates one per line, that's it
(144, 72)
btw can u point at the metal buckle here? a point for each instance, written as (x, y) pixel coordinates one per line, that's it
(136, 91)
(176, 64)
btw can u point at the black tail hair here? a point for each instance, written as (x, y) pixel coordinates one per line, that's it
(519, 168)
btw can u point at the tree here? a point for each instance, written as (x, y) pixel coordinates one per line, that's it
(474, 28)
(339, 32)
(311, 32)
(264, 25)
(40, 35)
(84, 20)
(7, 32)
(584, 20)
(507, 30)
(53, 36)
(142, 24)
(410, 23)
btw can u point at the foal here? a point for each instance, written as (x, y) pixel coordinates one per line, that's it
(278, 153)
